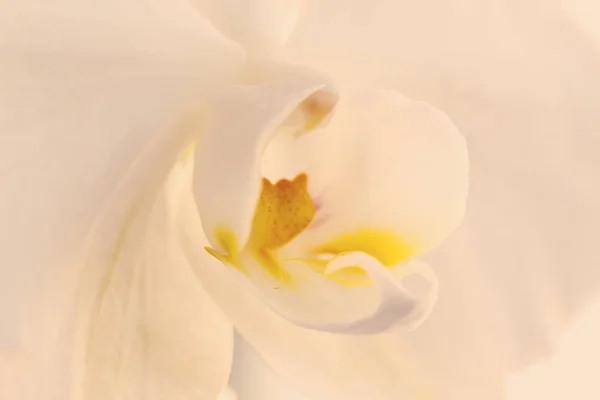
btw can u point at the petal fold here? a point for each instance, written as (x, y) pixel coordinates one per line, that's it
(154, 332)
(391, 176)
(260, 26)
(90, 99)
(239, 124)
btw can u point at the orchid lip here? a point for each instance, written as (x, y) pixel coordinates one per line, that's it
(284, 210)
(336, 249)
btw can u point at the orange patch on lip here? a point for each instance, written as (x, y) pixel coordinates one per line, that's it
(284, 210)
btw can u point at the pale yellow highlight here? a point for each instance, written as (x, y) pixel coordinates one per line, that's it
(229, 243)
(188, 151)
(387, 247)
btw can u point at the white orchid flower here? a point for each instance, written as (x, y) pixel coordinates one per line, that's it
(146, 170)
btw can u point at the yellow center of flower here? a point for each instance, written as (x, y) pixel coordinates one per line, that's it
(283, 211)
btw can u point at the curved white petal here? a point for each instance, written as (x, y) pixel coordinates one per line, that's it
(395, 305)
(320, 302)
(237, 127)
(227, 179)
(153, 331)
(386, 163)
(258, 25)
(519, 79)
(86, 93)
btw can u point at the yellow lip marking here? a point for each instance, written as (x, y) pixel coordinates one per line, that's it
(348, 276)
(387, 247)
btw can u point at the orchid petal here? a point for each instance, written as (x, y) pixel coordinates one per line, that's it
(391, 177)
(153, 329)
(520, 81)
(89, 101)
(258, 25)
(227, 186)
(323, 302)
(238, 126)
